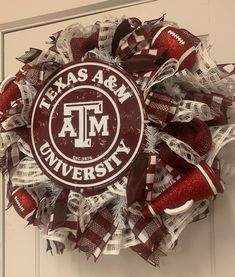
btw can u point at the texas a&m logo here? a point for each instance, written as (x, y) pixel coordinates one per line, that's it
(87, 125)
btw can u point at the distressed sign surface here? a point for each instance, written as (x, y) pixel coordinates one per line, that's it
(87, 125)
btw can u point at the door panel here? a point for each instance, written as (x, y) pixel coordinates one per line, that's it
(25, 251)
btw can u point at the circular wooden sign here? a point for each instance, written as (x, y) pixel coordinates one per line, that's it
(87, 125)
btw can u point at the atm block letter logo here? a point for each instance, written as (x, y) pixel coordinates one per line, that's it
(87, 126)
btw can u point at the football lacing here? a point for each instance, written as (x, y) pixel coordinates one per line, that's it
(177, 37)
(19, 204)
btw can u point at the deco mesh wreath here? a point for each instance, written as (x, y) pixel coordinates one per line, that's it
(109, 139)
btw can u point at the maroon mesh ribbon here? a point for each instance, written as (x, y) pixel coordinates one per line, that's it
(136, 185)
(195, 133)
(150, 257)
(81, 45)
(10, 94)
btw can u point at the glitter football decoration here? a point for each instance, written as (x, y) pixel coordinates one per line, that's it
(24, 202)
(177, 44)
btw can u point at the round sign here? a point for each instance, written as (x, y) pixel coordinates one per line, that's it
(87, 125)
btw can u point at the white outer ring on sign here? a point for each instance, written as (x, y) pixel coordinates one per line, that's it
(117, 131)
(135, 92)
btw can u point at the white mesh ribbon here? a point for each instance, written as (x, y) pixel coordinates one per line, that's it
(227, 169)
(74, 201)
(163, 184)
(63, 42)
(207, 77)
(181, 148)
(61, 234)
(24, 148)
(119, 188)
(51, 190)
(27, 173)
(221, 135)
(106, 32)
(84, 207)
(43, 57)
(168, 69)
(12, 122)
(7, 139)
(176, 224)
(187, 110)
(28, 93)
(102, 55)
(121, 239)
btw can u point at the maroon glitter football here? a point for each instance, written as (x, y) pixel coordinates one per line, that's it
(24, 202)
(177, 44)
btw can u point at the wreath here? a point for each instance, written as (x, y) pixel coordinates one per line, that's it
(110, 138)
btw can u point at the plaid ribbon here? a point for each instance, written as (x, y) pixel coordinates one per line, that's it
(217, 102)
(150, 233)
(228, 68)
(160, 108)
(173, 172)
(97, 233)
(135, 53)
(38, 73)
(9, 151)
(29, 55)
(152, 258)
(128, 45)
(142, 61)
(67, 234)
(21, 73)
(150, 176)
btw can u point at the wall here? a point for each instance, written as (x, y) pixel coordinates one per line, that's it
(16, 10)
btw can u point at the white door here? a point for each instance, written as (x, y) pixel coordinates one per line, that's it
(206, 248)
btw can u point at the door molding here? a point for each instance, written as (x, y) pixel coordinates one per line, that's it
(61, 16)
